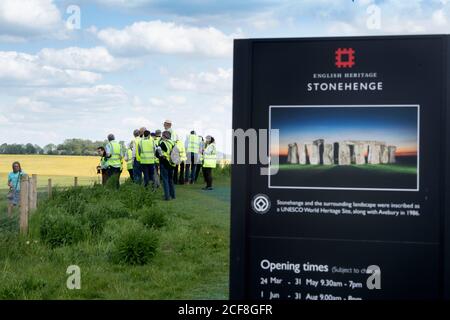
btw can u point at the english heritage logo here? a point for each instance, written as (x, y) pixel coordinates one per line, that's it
(345, 58)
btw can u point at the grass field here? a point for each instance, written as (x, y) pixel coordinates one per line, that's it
(191, 261)
(352, 176)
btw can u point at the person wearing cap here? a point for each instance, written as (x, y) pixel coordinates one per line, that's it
(168, 127)
(192, 145)
(113, 152)
(137, 171)
(166, 145)
(209, 162)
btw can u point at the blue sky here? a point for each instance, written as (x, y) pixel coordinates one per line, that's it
(136, 63)
(393, 125)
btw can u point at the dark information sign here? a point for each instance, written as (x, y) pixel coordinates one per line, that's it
(353, 203)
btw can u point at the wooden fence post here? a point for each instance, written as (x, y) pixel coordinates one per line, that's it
(75, 182)
(32, 194)
(49, 188)
(24, 204)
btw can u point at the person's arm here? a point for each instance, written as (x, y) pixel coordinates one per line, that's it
(163, 147)
(10, 182)
(108, 151)
(133, 149)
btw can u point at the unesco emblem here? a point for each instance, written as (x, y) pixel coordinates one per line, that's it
(261, 203)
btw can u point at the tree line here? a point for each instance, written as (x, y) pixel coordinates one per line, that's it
(72, 147)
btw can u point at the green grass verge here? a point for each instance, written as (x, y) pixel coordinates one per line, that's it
(191, 259)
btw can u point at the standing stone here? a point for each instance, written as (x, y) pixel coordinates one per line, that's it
(302, 153)
(328, 154)
(391, 151)
(384, 154)
(375, 153)
(292, 153)
(315, 157)
(360, 153)
(319, 143)
(344, 154)
(308, 149)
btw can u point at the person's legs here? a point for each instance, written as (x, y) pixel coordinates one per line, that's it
(152, 174)
(197, 171)
(181, 179)
(10, 209)
(146, 171)
(194, 160)
(104, 176)
(171, 172)
(165, 180)
(187, 167)
(117, 172)
(137, 172)
(207, 174)
(175, 175)
(210, 179)
(156, 180)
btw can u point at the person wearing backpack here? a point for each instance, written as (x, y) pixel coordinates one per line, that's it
(209, 162)
(14, 178)
(166, 155)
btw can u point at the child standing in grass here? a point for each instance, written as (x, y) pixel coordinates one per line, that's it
(14, 178)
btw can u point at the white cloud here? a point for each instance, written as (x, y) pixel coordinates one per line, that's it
(143, 38)
(92, 59)
(439, 18)
(90, 99)
(25, 18)
(28, 70)
(204, 82)
(33, 105)
(3, 120)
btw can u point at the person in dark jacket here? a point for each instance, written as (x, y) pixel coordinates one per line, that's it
(165, 147)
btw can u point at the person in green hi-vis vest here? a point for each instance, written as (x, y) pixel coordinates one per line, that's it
(130, 160)
(114, 157)
(192, 145)
(209, 161)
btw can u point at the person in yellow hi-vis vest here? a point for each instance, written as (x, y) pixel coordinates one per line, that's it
(137, 172)
(129, 159)
(192, 145)
(114, 157)
(201, 148)
(146, 151)
(209, 162)
(179, 170)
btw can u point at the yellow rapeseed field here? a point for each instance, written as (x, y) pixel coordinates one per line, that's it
(61, 169)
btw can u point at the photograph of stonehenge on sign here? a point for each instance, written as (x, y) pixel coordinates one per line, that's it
(346, 147)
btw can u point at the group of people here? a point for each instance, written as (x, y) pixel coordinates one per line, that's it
(152, 157)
